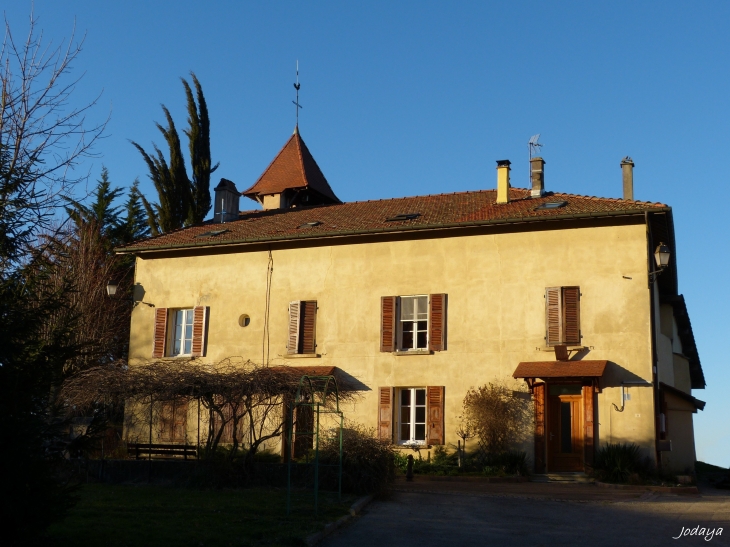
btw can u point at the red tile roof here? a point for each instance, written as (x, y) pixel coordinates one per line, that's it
(461, 209)
(292, 168)
(560, 369)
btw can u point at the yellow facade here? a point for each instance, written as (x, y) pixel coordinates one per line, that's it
(495, 281)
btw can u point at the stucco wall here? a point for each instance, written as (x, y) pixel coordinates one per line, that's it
(496, 310)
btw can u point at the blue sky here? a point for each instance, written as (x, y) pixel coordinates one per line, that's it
(422, 97)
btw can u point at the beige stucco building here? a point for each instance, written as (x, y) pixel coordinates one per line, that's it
(415, 300)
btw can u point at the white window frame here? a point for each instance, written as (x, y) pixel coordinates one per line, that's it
(412, 418)
(400, 321)
(188, 314)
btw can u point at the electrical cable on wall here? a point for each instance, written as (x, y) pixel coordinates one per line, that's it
(265, 343)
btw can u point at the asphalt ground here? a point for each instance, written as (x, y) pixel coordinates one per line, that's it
(438, 514)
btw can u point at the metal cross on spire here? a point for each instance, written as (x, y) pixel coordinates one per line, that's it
(297, 85)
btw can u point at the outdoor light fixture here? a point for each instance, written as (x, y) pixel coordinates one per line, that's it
(111, 290)
(661, 257)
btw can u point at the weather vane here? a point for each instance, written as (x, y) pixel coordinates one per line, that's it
(297, 85)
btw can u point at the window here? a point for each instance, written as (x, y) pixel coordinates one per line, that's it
(562, 316)
(411, 415)
(180, 332)
(302, 327)
(413, 323)
(413, 326)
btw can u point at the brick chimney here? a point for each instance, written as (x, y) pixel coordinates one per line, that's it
(537, 175)
(226, 201)
(627, 168)
(503, 181)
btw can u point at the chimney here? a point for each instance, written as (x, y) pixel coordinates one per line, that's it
(627, 168)
(503, 181)
(226, 200)
(537, 175)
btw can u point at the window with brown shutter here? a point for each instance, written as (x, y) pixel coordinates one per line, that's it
(435, 413)
(173, 420)
(160, 333)
(302, 327)
(413, 323)
(200, 315)
(387, 323)
(562, 316)
(437, 322)
(385, 414)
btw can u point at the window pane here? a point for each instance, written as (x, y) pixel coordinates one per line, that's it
(405, 432)
(188, 332)
(405, 397)
(420, 414)
(407, 326)
(420, 432)
(422, 307)
(189, 317)
(406, 308)
(407, 340)
(405, 415)
(420, 396)
(422, 342)
(188, 348)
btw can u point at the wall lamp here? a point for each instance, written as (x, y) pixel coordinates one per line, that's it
(661, 257)
(111, 291)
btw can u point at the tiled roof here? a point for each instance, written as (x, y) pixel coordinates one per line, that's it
(462, 209)
(560, 369)
(293, 167)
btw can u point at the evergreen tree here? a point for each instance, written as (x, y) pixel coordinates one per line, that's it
(133, 225)
(182, 202)
(100, 213)
(198, 134)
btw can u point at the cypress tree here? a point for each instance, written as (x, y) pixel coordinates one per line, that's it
(182, 202)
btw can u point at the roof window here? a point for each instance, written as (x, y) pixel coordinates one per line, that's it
(310, 224)
(552, 205)
(403, 216)
(213, 233)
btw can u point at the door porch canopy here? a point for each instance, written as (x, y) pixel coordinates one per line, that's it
(569, 371)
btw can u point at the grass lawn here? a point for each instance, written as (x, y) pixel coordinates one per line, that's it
(114, 515)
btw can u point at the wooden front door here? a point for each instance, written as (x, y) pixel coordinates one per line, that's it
(565, 431)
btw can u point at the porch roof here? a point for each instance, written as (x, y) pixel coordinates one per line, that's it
(560, 369)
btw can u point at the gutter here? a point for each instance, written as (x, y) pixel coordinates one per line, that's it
(425, 227)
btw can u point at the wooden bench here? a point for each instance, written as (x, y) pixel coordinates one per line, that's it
(164, 450)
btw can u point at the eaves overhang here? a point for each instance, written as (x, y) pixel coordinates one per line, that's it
(434, 227)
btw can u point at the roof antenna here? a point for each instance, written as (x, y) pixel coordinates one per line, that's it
(533, 148)
(297, 85)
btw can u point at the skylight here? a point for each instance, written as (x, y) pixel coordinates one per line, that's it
(552, 205)
(310, 224)
(213, 233)
(403, 216)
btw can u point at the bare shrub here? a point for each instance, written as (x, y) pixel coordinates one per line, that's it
(499, 419)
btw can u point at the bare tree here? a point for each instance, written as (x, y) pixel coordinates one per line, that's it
(43, 136)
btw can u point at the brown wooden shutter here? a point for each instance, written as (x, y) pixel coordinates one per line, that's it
(571, 314)
(160, 333)
(538, 398)
(553, 323)
(308, 315)
(387, 323)
(435, 413)
(588, 421)
(385, 414)
(293, 342)
(437, 322)
(200, 314)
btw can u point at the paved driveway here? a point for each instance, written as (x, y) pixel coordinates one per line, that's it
(443, 514)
